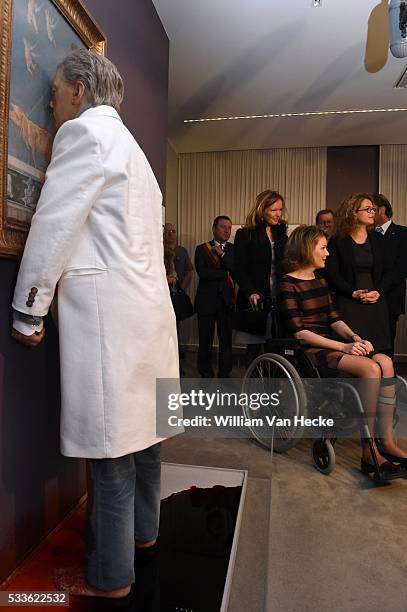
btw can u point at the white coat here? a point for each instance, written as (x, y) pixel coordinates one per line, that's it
(97, 233)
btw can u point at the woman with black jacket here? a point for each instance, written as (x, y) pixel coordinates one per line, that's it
(358, 271)
(259, 250)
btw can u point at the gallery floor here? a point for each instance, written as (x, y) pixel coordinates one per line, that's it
(336, 542)
(307, 541)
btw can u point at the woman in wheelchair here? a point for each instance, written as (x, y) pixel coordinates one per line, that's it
(307, 309)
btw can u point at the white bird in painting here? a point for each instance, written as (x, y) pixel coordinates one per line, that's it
(51, 25)
(29, 55)
(32, 8)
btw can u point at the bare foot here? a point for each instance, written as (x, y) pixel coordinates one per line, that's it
(75, 583)
(145, 544)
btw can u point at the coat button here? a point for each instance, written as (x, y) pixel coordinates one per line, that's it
(29, 303)
(34, 290)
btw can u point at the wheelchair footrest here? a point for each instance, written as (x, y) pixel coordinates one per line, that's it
(385, 476)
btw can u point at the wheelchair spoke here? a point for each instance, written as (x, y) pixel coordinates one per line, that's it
(271, 373)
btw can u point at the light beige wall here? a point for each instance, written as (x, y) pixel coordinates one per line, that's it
(393, 184)
(171, 195)
(226, 183)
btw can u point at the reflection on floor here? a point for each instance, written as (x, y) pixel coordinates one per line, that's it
(186, 571)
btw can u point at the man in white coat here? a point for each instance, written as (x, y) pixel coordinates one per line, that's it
(97, 236)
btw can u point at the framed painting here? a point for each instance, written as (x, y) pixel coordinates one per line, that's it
(35, 36)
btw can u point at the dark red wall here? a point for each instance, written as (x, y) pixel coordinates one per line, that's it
(38, 486)
(138, 45)
(351, 170)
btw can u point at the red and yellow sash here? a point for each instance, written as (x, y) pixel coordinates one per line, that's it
(215, 259)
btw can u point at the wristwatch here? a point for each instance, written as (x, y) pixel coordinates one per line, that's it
(26, 318)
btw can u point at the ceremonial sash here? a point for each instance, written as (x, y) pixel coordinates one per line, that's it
(215, 259)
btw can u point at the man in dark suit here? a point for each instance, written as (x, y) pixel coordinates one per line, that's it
(395, 240)
(215, 298)
(325, 220)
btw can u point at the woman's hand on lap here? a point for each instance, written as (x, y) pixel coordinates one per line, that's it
(358, 348)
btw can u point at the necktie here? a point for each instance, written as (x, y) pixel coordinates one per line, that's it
(379, 230)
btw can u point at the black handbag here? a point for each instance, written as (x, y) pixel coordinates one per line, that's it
(181, 303)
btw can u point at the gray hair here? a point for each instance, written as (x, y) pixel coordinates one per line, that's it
(101, 79)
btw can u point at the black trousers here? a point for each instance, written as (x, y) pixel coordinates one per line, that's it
(393, 318)
(206, 328)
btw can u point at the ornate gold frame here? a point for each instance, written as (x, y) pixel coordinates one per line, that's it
(12, 238)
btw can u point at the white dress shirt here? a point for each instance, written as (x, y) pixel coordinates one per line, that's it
(385, 226)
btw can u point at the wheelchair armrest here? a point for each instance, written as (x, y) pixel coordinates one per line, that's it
(279, 343)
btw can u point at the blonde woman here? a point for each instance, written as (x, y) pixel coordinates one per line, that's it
(308, 310)
(259, 250)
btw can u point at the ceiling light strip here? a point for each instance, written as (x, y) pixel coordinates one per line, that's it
(358, 111)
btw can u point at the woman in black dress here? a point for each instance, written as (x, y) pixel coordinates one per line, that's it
(358, 271)
(259, 250)
(307, 307)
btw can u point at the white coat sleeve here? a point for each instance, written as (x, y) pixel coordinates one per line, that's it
(26, 328)
(73, 182)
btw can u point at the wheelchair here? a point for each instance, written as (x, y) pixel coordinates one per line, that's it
(286, 369)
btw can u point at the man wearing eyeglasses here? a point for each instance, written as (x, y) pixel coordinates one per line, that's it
(183, 265)
(395, 241)
(325, 220)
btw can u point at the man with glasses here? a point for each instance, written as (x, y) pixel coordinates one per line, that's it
(183, 265)
(325, 220)
(394, 239)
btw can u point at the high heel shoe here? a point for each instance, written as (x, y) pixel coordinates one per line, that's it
(402, 461)
(385, 468)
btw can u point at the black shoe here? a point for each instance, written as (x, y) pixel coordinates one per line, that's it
(387, 468)
(402, 461)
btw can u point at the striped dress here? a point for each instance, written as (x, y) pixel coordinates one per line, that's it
(308, 304)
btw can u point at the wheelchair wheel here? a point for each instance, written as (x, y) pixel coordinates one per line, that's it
(273, 374)
(323, 454)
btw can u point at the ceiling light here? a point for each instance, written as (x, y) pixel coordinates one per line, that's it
(398, 28)
(353, 111)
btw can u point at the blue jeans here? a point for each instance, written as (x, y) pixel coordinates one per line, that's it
(125, 510)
